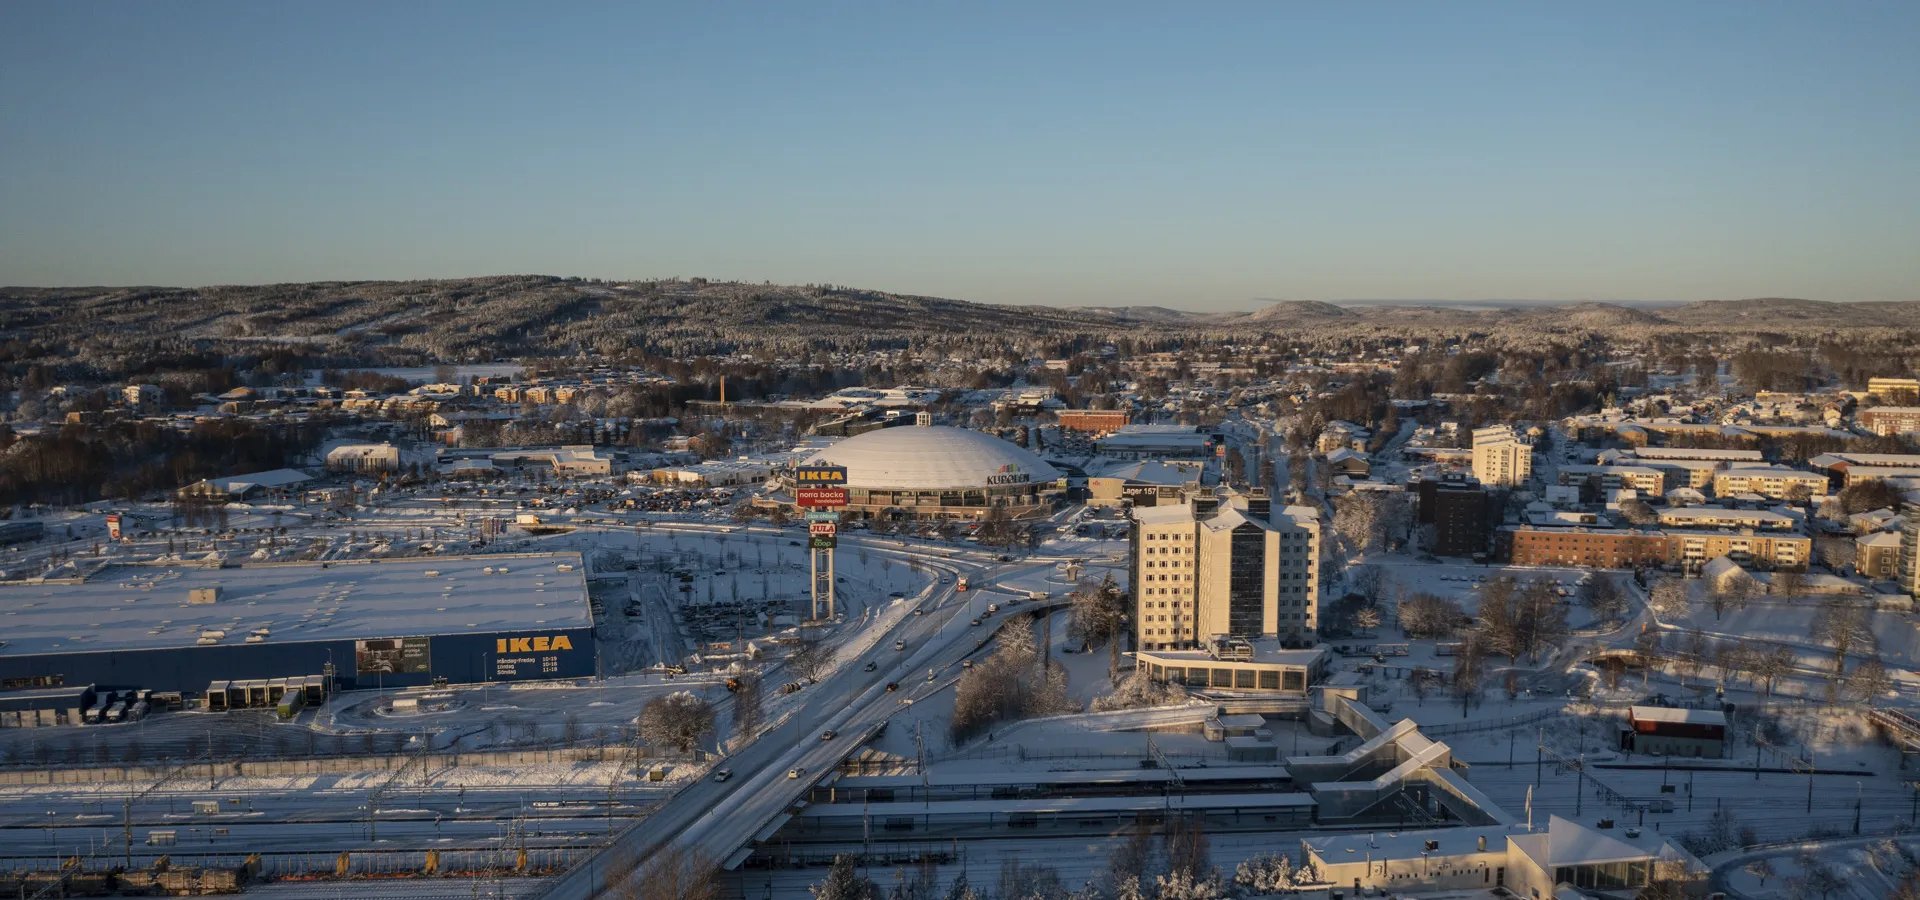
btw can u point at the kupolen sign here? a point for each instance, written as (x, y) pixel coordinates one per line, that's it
(819, 496)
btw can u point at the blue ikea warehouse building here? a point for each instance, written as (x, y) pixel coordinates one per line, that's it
(185, 627)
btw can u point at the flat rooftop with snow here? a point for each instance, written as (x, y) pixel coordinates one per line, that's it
(158, 626)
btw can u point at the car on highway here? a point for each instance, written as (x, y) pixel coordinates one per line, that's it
(829, 734)
(868, 667)
(796, 772)
(892, 686)
(723, 775)
(973, 621)
(899, 645)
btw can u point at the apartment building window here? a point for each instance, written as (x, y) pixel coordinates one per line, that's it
(1246, 574)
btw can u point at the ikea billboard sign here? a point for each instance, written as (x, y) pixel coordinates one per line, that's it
(820, 476)
(540, 644)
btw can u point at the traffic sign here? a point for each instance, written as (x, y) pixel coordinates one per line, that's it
(820, 497)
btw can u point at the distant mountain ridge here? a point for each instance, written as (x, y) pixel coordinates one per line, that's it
(88, 331)
(1748, 314)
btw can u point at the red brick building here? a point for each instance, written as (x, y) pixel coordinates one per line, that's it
(1885, 420)
(1096, 421)
(1593, 549)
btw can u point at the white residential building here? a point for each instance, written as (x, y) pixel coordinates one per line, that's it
(1768, 481)
(364, 458)
(1501, 457)
(1225, 567)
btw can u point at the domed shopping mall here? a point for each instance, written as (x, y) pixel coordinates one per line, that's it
(926, 471)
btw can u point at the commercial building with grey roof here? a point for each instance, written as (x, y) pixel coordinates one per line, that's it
(182, 626)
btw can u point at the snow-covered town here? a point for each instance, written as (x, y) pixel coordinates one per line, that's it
(1007, 642)
(983, 451)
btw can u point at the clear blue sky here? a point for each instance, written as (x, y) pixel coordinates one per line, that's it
(1192, 155)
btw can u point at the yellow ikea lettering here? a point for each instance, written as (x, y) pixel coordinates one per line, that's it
(532, 645)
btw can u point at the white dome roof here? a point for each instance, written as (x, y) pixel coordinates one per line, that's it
(931, 457)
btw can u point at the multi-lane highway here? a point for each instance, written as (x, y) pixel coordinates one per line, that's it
(724, 818)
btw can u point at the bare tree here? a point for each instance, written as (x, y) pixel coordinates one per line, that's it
(1543, 618)
(747, 711)
(1008, 686)
(812, 658)
(1367, 618)
(1467, 670)
(1668, 598)
(1695, 652)
(1129, 858)
(678, 720)
(1603, 595)
(1835, 551)
(1499, 619)
(1734, 593)
(1769, 667)
(1650, 646)
(1735, 661)
(1843, 625)
(1430, 616)
(1787, 584)
(1187, 847)
(1637, 512)
(1368, 581)
(1869, 681)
